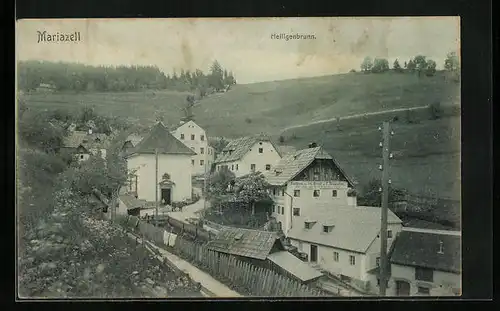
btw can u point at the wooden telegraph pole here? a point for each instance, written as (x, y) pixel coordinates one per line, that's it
(386, 155)
(156, 186)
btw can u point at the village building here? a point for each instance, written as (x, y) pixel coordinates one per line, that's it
(345, 242)
(247, 155)
(46, 88)
(263, 249)
(304, 180)
(195, 137)
(174, 168)
(84, 144)
(425, 262)
(129, 205)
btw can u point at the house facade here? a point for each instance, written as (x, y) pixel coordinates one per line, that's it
(345, 242)
(248, 154)
(174, 167)
(195, 138)
(426, 263)
(307, 183)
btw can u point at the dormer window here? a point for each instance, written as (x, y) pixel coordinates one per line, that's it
(327, 228)
(230, 152)
(308, 224)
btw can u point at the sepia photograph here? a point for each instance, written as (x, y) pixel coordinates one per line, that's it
(238, 157)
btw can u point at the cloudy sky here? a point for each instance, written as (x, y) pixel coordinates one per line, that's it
(244, 46)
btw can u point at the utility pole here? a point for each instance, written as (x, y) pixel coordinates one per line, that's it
(386, 155)
(156, 186)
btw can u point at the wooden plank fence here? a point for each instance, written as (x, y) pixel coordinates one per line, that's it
(257, 280)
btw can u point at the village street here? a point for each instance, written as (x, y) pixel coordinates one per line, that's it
(190, 211)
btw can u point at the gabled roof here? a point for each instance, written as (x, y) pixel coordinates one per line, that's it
(88, 141)
(294, 163)
(160, 138)
(355, 228)
(178, 125)
(244, 242)
(236, 149)
(421, 249)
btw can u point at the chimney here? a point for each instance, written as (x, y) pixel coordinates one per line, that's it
(313, 145)
(182, 122)
(440, 248)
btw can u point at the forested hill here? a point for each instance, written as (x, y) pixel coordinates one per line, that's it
(79, 78)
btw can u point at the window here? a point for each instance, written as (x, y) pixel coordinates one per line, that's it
(202, 150)
(232, 167)
(389, 234)
(424, 290)
(282, 211)
(352, 260)
(334, 193)
(261, 150)
(252, 167)
(182, 136)
(268, 167)
(274, 191)
(202, 137)
(327, 229)
(274, 208)
(192, 136)
(316, 193)
(202, 162)
(335, 256)
(307, 225)
(296, 193)
(282, 192)
(81, 156)
(377, 261)
(192, 162)
(296, 211)
(423, 274)
(236, 166)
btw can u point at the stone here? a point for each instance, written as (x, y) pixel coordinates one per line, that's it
(135, 272)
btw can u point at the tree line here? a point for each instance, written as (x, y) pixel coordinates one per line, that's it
(420, 64)
(84, 78)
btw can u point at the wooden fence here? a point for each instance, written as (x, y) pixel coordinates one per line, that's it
(256, 280)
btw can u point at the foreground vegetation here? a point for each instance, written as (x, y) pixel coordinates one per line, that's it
(64, 249)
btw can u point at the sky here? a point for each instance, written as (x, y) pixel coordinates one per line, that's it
(244, 46)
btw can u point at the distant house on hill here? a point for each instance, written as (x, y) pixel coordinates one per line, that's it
(46, 88)
(263, 249)
(426, 262)
(83, 144)
(248, 154)
(174, 167)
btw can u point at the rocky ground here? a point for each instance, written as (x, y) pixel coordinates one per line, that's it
(70, 253)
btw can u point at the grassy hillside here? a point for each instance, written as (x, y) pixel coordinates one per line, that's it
(268, 106)
(427, 153)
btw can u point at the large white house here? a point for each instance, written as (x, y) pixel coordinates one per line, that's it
(195, 137)
(305, 180)
(345, 242)
(248, 154)
(425, 262)
(174, 167)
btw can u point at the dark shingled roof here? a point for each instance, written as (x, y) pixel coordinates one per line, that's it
(294, 163)
(421, 249)
(160, 138)
(244, 242)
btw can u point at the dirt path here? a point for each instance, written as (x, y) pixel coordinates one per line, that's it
(354, 116)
